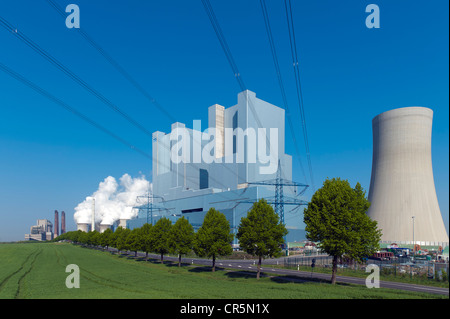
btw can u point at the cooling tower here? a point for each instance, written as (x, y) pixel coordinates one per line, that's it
(402, 193)
(84, 227)
(104, 227)
(122, 223)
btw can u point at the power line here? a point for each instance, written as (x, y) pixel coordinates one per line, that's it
(218, 30)
(293, 45)
(280, 80)
(69, 73)
(69, 108)
(119, 68)
(114, 63)
(57, 101)
(81, 82)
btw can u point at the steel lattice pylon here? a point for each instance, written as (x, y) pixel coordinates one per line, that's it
(280, 200)
(149, 205)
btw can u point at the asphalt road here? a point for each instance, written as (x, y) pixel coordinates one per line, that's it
(267, 269)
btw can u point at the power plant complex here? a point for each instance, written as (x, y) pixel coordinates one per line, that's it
(237, 160)
(45, 230)
(240, 158)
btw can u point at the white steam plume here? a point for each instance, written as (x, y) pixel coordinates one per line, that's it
(113, 201)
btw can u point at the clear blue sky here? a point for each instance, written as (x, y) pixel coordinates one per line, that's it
(50, 159)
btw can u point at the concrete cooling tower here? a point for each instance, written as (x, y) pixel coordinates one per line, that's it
(402, 193)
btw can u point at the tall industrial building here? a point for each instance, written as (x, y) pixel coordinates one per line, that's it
(216, 167)
(56, 232)
(402, 192)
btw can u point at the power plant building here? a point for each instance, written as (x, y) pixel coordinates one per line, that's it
(402, 191)
(199, 168)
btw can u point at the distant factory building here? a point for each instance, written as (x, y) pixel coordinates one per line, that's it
(402, 192)
(43, 230)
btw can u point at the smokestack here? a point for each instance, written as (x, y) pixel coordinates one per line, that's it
(63, 222)
(93, 214)
(56, 231)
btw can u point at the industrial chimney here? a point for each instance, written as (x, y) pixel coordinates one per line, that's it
(63, 222)
(56, 230)
(402, 192)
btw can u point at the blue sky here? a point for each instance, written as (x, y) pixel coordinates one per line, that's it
(50, 159)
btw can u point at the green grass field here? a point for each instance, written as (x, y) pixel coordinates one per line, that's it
(37, 270)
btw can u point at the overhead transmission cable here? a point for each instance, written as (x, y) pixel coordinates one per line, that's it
(280, 80)
(293, 45)
(120, 69)
(69, 108)
(69, 73)
(218, 30)
(223, 42)
(57, 101)
(9, 27)
(114, 63)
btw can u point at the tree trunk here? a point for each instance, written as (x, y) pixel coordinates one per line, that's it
(146, 256)
(162, 258)
(214, 263)
(179, 260)
(334, 270)
(259, 268)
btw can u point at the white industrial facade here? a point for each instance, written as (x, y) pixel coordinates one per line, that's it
(189, 188)
(402, 191)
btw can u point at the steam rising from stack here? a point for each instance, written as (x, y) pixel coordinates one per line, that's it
(113, 201)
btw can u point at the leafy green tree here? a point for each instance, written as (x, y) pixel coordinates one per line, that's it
(336, 219)
(82, 237)
(133, 240)
(106, 238)
(93, 238)
(146, 239)
(120, 239)
(261, 232)
(181, 238)
(214, 237)
(160, 236)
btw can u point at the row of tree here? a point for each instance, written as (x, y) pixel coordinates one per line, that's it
(335, 220)
(260, 234)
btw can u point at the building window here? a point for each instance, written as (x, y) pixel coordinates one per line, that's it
(204, 179)
(235, 125)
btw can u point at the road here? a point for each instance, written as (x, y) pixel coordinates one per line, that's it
(267, 269)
